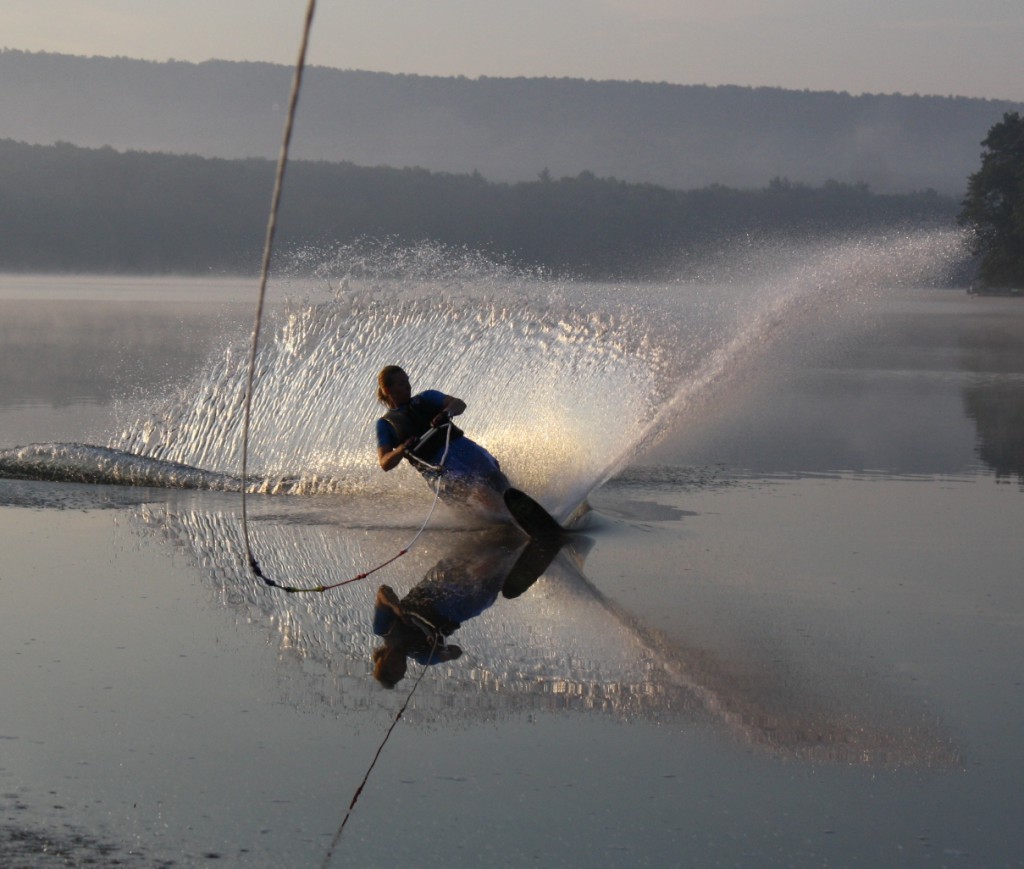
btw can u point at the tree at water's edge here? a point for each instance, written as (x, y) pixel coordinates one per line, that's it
(994, 206)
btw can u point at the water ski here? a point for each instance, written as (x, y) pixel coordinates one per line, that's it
(532, 519)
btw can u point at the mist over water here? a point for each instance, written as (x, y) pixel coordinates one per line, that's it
(565, 382)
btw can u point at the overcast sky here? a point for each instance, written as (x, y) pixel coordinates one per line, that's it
(961, 47)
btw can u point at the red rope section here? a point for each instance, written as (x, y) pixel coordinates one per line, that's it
(292, 589)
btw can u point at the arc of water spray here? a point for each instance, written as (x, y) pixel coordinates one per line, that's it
(885, 262)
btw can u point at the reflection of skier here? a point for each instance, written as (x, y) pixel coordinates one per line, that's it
(407, 634)
(410, 417)
(454, 590)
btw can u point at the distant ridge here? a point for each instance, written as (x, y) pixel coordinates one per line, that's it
(678, 136)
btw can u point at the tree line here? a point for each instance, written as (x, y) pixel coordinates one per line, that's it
(994, 207)
(677, 136)
(68, 208)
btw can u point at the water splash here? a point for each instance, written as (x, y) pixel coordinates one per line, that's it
(86, 463)
(787, 295)
(553, 386)
(565, 382)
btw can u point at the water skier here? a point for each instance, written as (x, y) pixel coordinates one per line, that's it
(468, 469)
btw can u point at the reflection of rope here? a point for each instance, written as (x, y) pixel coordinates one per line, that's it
(380, 748)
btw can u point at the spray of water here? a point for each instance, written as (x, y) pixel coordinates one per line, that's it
(565, 382)
(782, 294)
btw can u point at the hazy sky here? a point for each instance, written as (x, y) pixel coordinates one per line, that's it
(962, 47)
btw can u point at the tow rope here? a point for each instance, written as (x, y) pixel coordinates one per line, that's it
(438, 469)
(268, 247)
(282, 163)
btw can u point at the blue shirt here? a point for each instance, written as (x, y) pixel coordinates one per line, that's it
(466, 462)
(387, 437)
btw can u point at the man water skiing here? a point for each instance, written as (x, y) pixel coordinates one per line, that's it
(416, 428)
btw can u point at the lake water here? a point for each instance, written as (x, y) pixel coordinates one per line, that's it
(789, 632)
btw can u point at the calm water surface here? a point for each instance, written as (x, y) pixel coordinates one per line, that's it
(789, 633)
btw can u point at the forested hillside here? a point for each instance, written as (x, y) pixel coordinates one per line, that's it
(681, 137)
(67, 208)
